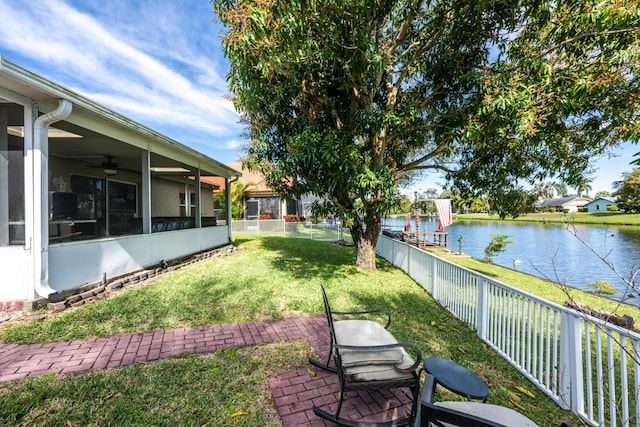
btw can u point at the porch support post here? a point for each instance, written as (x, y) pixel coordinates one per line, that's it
(198, 212)
(145, 157)
(31, 193)
(227, 197)
(4, 178)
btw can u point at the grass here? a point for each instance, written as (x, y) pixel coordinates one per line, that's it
(273, 277)
(186, 390)
(604, 218)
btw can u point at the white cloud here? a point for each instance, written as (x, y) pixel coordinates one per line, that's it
(234, 144)
(157, 62)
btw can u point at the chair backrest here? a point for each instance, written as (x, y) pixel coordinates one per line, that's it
(327, 310)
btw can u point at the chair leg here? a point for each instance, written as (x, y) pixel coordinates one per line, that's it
(351, 423)
(321, 365)
(324, 366)
(414, 405)
(335, 418)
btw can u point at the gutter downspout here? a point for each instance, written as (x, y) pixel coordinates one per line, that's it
(229, 213)
(41, 187)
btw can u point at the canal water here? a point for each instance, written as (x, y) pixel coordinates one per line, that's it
(552, 251)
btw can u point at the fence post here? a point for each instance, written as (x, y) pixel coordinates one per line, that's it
(410, 254)
(434, 277)
(482, 312)
(570, 387)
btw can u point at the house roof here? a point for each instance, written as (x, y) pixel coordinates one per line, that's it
(561, 202)
(258, 185)
(603, 199)
(98, 123)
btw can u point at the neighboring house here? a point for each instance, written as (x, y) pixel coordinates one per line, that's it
(87, 194)
(261, 201)
(600, 204)
(568, 204)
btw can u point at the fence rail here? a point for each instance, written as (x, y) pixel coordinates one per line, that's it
(303, 230)
(583, 363)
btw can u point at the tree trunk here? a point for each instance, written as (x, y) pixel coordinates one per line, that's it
(366, 255)
(365, 238)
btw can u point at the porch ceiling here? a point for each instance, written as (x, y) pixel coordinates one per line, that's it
(94, 148)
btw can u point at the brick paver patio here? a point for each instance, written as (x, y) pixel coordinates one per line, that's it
(294, 393)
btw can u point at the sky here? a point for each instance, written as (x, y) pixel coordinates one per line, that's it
(159, 63)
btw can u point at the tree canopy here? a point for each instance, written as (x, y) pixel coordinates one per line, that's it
(345, 99)
(628, 191)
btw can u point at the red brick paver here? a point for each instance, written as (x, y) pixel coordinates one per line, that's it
(294, 393)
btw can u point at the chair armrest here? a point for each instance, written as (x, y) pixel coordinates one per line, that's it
(428, 389)
(415, 349)
(352, 313)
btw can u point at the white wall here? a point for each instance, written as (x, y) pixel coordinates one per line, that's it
(165, 197)
(14, 281)
(600, 206)
(75, 264)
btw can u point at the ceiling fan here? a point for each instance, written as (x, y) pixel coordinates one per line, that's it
(109, 166)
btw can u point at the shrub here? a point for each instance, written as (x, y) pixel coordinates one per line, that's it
(602, 287)
(552, 210)
(496, 246)
(613, 208)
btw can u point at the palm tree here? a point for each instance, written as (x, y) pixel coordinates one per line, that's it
(543, 190)
(561, 188)
(237, 194)
(585, 187)
(617, 184)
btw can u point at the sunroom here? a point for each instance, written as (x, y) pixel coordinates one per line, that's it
(87, 194)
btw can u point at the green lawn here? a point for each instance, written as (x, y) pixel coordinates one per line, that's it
(610, 218)
(273, 277)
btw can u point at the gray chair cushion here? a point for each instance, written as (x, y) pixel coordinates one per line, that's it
(368, 373)
(366, 333)
(370, 365)
(494, 413)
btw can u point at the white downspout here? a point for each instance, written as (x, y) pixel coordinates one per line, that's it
(41, 187)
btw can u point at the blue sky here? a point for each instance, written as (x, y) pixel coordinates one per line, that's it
(158, 62)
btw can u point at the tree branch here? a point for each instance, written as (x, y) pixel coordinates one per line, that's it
(417, 164)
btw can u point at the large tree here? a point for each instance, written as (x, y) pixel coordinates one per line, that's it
(344, 99)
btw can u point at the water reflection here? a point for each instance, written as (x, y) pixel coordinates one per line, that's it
(552, 251)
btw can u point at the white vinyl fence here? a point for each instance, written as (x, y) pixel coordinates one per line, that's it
(583, 363)
(304, 230)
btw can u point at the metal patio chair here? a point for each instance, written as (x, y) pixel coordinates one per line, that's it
(342, 326)
(367, 357)
(465, 414)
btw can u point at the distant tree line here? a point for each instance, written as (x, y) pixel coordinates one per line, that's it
(626, 193)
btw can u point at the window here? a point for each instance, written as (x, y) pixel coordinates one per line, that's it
(105, 207)
(191, 201)
(122, 205)
(11, 175)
